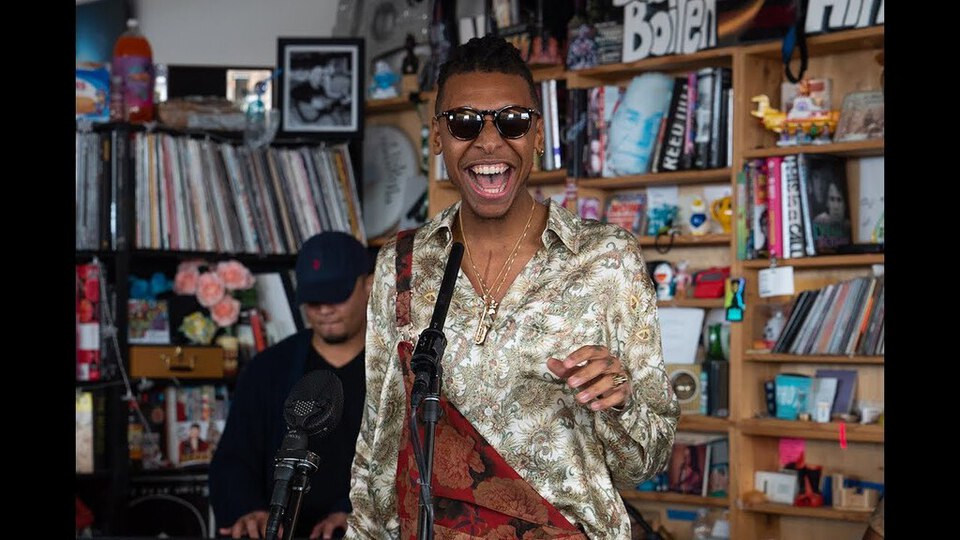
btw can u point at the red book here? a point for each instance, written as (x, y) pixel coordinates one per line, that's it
(774, 208)
(88, 322)
(259, 331)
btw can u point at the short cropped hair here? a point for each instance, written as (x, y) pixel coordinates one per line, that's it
(489, 53)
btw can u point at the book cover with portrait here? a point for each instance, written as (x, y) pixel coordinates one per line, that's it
(687, 470)
(824, 178)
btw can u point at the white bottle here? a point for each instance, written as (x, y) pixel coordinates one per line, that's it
(701, 525)
(721, 527)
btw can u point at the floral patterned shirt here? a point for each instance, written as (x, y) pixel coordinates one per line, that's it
(587, 285)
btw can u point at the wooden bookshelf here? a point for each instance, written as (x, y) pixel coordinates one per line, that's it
(582, 78)
(812, 359)
(547, 72)
(824, 261)
(673, 498)
(699, 422)
(708, 176)
(832, 43)
(873, 147)
(706, 303)
(808, 511)
(771, 427)
(686, 240)
(386, 105)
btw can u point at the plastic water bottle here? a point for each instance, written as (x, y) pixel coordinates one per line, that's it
(701, 525)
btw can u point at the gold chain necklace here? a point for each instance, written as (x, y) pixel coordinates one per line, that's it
(490, 305)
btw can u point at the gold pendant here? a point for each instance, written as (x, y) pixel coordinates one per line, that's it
(486, 320)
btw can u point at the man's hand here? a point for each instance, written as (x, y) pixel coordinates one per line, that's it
(596, 373)
(252, 525)
(324, 529)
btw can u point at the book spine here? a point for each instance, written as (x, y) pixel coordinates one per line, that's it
(802, 176)
(576, 133)
(721, 81)
(609, 103)
(741, 216)
(793, 230)
(591, 160)
(547, 158)
(555, 125)
(774, 211)
(671, 151)
(690, 124)
(259, 332)
(760, 218)
(704, 118)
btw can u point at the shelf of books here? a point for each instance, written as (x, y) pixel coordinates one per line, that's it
(147, 200)
(808, 357)
(673, 498)
(193, 195)
(808, 511)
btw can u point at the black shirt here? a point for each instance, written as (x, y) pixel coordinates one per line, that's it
(242, 471)
(331, 483)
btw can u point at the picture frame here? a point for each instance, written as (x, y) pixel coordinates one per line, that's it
(319, 92)
(861, 117)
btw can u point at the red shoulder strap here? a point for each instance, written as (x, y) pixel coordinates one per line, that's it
(404, 270)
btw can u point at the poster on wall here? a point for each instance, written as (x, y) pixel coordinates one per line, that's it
(319, 88)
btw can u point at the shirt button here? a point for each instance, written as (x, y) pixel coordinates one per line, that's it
(488, 411)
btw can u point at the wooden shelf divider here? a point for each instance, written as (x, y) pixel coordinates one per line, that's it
(674, 498)
(830, 431)
(808, 511)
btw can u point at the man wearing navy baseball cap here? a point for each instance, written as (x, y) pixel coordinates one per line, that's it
(328, 266)
(334, 275)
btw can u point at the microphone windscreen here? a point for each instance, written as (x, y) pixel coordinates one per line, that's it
(315, 404)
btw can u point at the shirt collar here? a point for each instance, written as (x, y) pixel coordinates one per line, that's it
(561, 225)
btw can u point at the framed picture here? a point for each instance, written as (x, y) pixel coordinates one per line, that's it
(319, 91)
(861, 117)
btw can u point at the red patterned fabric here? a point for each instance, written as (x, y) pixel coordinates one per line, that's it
(404, 266)
(476, 493)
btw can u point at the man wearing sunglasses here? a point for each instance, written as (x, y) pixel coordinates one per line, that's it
(554, 393)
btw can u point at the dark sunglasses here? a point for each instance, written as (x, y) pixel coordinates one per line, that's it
(512, 121)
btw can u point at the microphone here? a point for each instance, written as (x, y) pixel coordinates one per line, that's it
(313, 407)
(432, 342)
(315, 404)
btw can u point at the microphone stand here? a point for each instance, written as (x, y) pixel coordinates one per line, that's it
(295, 466)
(428, 370)
(431, 414)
